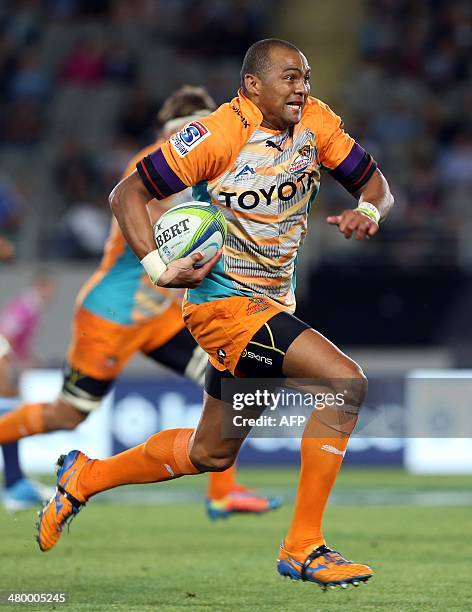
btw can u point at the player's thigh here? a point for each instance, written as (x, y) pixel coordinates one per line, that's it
(285, 346)
(253, 337)
(223, 327)
(311, 355)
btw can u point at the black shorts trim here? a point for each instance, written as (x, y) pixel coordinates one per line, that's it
(264, 354)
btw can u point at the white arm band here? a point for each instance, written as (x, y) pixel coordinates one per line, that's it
(369, 210)
(154, 266)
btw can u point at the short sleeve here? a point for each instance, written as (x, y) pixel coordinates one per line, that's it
(339, 153)
(198, 152)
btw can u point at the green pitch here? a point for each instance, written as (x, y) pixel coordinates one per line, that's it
(152, 548)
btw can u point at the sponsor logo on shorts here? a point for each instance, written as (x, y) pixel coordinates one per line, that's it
(190, 137)
(252, 355)
(256, 305)
(221, 355)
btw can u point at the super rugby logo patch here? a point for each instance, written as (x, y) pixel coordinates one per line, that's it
(190, 137)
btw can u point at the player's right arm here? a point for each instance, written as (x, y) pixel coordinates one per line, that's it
(128, 201)
(200, 151)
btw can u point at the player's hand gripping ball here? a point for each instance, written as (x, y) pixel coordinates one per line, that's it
(188, 228)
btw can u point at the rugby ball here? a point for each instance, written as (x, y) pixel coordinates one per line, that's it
(190, 227)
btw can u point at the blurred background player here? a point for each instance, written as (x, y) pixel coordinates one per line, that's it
(19, 323)
(119, 313)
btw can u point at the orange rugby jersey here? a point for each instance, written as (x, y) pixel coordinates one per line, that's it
(264, 182)
(120, 289)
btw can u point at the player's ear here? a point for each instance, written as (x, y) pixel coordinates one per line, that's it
(251, 84)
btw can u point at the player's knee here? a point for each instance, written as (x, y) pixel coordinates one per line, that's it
(352, 383)
(208, 461)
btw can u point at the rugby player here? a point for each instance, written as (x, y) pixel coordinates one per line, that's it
(119, 312)
(259, 159)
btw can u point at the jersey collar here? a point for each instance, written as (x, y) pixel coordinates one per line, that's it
(249, 111)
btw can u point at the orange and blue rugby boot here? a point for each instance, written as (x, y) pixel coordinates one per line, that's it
(240, 501)
(324, 566)
(66, 502)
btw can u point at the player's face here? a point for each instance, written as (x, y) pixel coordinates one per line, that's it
(284, 88)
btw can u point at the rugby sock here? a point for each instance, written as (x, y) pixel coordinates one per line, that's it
(222, 483)
(26, 420)
(11, 467)
(322, 454)
(163, 456)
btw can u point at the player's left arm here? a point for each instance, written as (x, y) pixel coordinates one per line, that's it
(356, 170)
(374, 203)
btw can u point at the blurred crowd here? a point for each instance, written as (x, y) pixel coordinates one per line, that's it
(62, 62)
(407, 100)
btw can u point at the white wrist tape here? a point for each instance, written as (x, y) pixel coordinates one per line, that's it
(154, 266)
(369, 210)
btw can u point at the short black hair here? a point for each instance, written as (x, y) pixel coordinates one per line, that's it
(256, 60)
